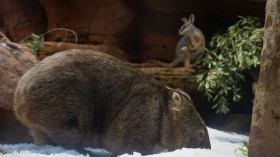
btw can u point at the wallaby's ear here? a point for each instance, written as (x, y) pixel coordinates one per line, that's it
(191, 18)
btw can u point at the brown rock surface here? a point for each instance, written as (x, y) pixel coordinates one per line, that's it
(19, 20)
(11, 130)
(171, 7)
(15, 60)
(143, 28)
(159, 35)
(96, 21)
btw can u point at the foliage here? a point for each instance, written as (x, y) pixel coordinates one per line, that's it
(35, 41)
(243, 149)
(230, 54)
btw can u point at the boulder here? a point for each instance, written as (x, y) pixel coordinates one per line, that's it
(11, 130)
(18, 20)
(94, 21)
(15, 60)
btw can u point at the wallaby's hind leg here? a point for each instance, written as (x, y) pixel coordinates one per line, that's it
(187, 57)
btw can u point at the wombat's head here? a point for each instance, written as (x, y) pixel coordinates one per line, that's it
(188, 26)
(183, 127)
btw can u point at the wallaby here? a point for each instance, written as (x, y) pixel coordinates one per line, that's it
(80, 98)
(190, 48)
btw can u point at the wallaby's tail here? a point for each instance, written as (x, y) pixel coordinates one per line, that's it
(173, 64)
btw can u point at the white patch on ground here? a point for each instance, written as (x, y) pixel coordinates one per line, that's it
(223, 145)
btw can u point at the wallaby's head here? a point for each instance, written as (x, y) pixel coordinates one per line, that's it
(183, 127)
(188, 26)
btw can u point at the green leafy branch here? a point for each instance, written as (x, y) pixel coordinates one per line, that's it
(230, 54)
(35, 41)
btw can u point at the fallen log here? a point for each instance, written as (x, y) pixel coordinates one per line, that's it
(50, 48)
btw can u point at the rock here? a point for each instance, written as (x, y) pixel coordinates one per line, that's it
(159, 35)
(171, 7)
(19, 20)
(15, 60)
(146, 29)
(11, 130)
(95, 21)
(238, 123)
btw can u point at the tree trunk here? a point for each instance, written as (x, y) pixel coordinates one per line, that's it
(265, 127)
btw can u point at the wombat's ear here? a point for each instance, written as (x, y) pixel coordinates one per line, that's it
(176, 98)
(177, 102)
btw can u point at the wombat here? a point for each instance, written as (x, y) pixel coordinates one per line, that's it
(79, 98)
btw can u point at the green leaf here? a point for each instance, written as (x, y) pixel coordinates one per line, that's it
(34, 35)
(231, 53)
(244, 149)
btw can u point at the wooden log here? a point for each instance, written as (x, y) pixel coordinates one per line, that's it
(181, 71)
(50, 48)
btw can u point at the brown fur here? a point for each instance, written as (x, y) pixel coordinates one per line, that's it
(81, 98)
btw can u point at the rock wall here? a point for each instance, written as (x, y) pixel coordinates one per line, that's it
(19, 18)
(15, 60)
(11, 130)
(144, 28)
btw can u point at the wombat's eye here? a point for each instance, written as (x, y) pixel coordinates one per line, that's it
(201, 134)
